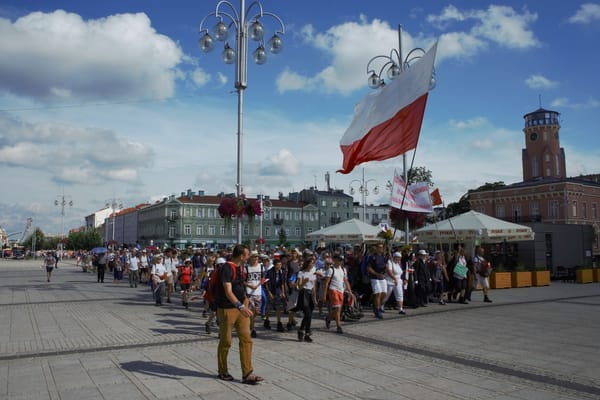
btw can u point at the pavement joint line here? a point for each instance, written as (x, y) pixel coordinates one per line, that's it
(473, 363)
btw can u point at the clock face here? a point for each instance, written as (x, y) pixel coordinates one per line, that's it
(533, 136)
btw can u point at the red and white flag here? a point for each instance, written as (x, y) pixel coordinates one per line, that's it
(387, 123)
(416, 199)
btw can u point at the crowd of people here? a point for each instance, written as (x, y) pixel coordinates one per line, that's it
(240, 289)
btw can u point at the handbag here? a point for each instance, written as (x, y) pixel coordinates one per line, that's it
(460, 271)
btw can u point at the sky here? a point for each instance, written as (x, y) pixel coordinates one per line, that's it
(113, 101)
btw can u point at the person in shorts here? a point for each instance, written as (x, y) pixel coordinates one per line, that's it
(482, 271)
(276, 291)
(377, 267)
(49, 263)
(253, 284)
(336, 283)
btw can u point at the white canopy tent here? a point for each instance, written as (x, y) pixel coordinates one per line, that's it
(474, 226)
(352, 231)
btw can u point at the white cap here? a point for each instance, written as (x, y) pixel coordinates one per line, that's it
(397, 254)
(422, 252)
(221, 260)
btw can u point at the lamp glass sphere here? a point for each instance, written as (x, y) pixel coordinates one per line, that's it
(206, 43)
(257, 31)
(275, 44)
(221, 31)
(374, 81)
(393, 71)
(228, 54)
(260, 55)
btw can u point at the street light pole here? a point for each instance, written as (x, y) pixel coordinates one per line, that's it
(62, 203)
(364, 191)
(395, 64)
(114, 203)
(245, 27)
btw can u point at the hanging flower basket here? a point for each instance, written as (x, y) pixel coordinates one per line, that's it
(237, 207)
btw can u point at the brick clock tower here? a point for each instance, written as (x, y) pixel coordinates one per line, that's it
(543, 158)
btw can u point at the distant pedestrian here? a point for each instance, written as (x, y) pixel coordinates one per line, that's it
(306, 298)
(482, 271)
(49, 263)
(101, 266)
(159, 278)
(185, 281)
(134, 268)
(336, 283)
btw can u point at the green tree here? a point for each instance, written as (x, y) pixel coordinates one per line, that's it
(420, 174)
(282, 237)
(460, 207)
(40, 240)
(84, 240)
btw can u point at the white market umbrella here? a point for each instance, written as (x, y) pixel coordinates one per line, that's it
(474, 225)
(350, 231)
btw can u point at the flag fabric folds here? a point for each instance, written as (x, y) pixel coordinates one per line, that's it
(436, 198)
(416, 199)
(387, 123)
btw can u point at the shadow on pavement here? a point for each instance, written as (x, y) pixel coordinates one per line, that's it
(162, 370)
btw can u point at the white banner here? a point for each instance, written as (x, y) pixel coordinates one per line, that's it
(417, 198)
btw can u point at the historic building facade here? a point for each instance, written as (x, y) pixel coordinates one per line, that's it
(546, 195)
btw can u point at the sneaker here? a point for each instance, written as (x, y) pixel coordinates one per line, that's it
(378, 316)
(288, 326)
(442, 303)
(307, 339)
(207, 328)
(267, 324)
(381, 310)
(487, 299)
(401, 312)
(327, 322)
(253, 333)
(280, 327)
(300, 335)
(339, 330)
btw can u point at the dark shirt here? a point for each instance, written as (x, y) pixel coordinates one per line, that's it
(237, 286)
(378, 263)
(275, 280)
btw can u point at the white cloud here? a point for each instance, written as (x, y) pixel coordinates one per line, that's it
(71, 154)
(587, 13)
(200, 77)
(472, 123)
(281, 163)
(350, 44)
(222, 78)
(58, 55)
(538, 81)
(564, 102)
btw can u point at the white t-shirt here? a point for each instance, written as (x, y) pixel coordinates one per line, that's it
(396, 270)
(159, 271)
(253, 277)
(337, 276)
(134, 263)
(310, 274)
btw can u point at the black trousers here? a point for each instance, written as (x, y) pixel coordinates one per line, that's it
(101, 268)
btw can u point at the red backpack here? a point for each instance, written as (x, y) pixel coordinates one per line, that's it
(214, 289)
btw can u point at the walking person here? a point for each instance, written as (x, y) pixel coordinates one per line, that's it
(233, 313)
(423, 278)
(159, 278)
(49, 263)
(185, 281)
(395, 281)
(336, 282)
(134, 268)
(482, 270)
(376, 268)
(306, 298)
(101, 267)
(254, 281)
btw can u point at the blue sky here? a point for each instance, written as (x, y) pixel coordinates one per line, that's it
(114, 100)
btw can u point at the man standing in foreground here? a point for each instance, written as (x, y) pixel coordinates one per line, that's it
(233, 312)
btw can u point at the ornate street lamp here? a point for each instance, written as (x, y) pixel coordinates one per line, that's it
(394, 65)
(363, 189)
(247, 24)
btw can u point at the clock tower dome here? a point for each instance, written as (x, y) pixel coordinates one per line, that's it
(543, 158)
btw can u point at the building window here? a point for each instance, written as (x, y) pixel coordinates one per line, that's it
(534, 210)
(187, 229)
(548, 172)
(500, 211)
(200, 212)
(516, 212)
(287, 232)
(553, 209)
(557, 165)
(187, 212)
(199, 230)
(246, 229)
(173, 213)
(547, 157)
(297, 231)
(211, 213)
(172, 231)
(267, 215)
(594, 211)
(334, 203)
(309, 229)
(535, 168)
(211, 230)
(267, 231)
(574, 209)
(584, 210)
(222, 230)
(323, 203)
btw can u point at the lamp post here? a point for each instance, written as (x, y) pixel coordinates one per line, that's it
(393, 66)
(246, 25)
(113, 204)
(61, 201)
(364, 191)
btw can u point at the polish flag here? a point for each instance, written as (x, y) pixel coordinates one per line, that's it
(387, 123)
